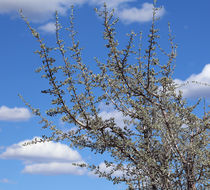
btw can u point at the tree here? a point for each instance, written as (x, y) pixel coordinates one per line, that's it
(161, 145)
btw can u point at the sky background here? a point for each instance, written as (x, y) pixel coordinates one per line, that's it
(48, 166)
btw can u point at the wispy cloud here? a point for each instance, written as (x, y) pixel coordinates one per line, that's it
(5, 180)
(49, 158)
(14, 114)
(195, 90)
(2, 147)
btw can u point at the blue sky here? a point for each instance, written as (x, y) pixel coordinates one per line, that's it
(48, 166)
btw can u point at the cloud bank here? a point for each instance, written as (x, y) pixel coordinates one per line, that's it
(195, 90)
(14, 114)
(47, 158)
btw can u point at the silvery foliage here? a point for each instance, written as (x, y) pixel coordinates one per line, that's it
(162, 144)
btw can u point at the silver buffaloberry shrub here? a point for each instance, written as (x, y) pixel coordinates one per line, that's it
(161, 145)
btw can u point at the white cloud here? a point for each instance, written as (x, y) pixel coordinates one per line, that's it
(193, 90)
(49, 27)
(110, 3)
(41, 152)
(143, 14)
(42, 11)
(54, 168)
(104, 168)
(47, 158)
(108, 112)
(118, 116)
(110, 170)
(14, 114)
(37, 10)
